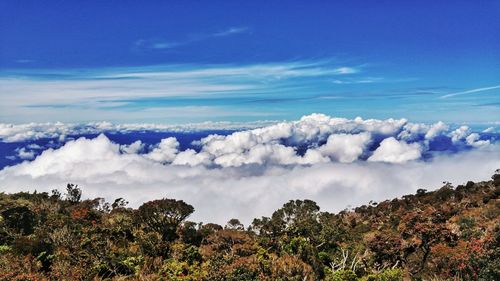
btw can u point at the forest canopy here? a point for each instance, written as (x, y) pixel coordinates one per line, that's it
(450, 233)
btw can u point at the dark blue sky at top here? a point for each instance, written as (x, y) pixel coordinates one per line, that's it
(442, 56)
(102, 33)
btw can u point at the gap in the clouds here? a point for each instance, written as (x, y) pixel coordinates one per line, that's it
(185, 139)
(9, 151)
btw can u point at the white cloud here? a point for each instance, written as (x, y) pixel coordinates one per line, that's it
(435, 130)
(459, 134)
(313, 139)
(165, 151)
(345, 148)
(394, 151)
(111, 91)
(58, 130)
(191, 158)
(231, 31)
(345, 139)
(159, 43)
(252, 172)
(347, 70)
(474, 140)
(245, 191)
(25, 154)
(489, 130)
(133, 148)
(477, 90)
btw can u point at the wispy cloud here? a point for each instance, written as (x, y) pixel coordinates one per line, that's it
(231, 31)
(472, 91)
(25, 61)
(361, 80)
(168, 88)
(163, 44)
(347, 70)
(156, 44)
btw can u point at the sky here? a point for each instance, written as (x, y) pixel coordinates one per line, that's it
(176, 62)
(239, 106)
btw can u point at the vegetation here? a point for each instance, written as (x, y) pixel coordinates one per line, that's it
(452, 233)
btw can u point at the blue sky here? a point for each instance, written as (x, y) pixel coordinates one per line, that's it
(187, 61)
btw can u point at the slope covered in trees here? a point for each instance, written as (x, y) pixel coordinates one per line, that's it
(452, 233)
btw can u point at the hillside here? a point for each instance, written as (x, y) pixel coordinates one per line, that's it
(452, 233)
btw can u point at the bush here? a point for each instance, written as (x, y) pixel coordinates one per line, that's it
(5, 249)
(342, 275)
(395, 274)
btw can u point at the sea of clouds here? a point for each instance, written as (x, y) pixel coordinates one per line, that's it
(250, 172)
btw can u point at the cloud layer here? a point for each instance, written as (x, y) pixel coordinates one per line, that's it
(199, 92)
(182, 93)
(58, 130)
(249, 173)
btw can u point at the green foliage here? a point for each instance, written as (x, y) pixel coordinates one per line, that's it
(342, 275)
(467, 226)
(180, 271)
(445, 234)
(19, 219)
(73, 193)
(5, 249)
(395, 274)
(164, 216)
(132, 264)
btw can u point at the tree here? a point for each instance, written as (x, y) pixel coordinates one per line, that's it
(387, 247)
(20, 219)
(119, 203)
(229, 242)
(422, 230)
(292, 269)
(73, 193)
(164, 216)
(298, 218)
(234, 224)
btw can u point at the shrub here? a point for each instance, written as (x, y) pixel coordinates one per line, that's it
(341, 275)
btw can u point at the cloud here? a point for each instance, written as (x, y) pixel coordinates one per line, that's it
(334, 161)
(24, 61)
(315, 138)
(133, 148)
(188, 92)
(489, 130)
(459, 134)
(359, 80)
(321, 136)
(232, 31)
(347, 70)
(394, 151)
(345, 148)
(470, 91)
(435, 130)
(58, 130)
(25, 154)
(474, 140)
(156, 44)
(165, 151)
(159, 44)
(219, 193)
